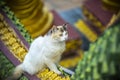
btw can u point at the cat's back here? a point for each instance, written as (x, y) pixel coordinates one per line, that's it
(38, 40)
(36, 44)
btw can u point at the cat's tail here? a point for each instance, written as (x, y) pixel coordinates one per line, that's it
(17, 73)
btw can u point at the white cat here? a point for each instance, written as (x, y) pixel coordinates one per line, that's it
(44, 52)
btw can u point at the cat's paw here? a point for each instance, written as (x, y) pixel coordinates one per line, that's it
(58, 72)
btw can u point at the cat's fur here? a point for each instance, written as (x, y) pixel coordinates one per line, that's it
(44, 52)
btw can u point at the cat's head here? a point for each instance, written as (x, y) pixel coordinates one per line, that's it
(59, 33)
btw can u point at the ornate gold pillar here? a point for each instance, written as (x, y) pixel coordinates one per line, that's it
(33, 15)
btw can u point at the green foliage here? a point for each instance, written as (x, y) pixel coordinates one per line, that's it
(6, 68)
(100, 62)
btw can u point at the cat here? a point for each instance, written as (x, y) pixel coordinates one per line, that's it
(45, 51)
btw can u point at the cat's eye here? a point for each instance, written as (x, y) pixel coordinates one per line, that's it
(61, 30)
(57, 28)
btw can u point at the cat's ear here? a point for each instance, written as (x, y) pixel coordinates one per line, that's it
(65, 26)
(53, 26)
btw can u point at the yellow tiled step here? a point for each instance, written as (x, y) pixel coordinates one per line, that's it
(82, 27)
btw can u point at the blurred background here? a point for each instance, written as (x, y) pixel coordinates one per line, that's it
(92, 50)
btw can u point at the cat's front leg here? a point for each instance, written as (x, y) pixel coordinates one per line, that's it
(52, 66)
